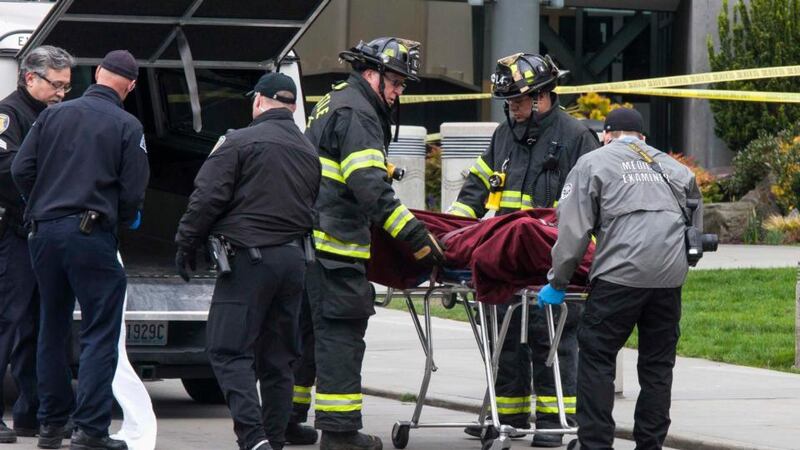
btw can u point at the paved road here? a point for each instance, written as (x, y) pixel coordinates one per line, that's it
(186, 425)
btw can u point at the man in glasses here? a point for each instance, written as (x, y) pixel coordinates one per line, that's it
(83, 170)
(44, 79)
(350, 127)
(533, 151)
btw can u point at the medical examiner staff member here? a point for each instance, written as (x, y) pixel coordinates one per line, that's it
(351, 129)
(534, 150)
(44, 79)
(256, 190)
(83, 170)
(639, 267)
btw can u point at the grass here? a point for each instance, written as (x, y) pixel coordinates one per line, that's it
(742, 316)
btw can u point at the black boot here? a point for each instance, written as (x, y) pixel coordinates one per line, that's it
(349, 440)
(491, 433)
(82, 441)
(299, 434)
(7, 435)
(50, 436)
(547, 440)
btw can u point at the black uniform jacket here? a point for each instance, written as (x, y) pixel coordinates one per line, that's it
(350, 129)
(18, 111)
(84, 154)
(555, 135)
(257, 187)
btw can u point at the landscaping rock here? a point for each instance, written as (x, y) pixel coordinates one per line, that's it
(762, 198)
(728, 220)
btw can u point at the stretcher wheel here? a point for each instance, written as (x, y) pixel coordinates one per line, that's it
(449, 301)
(400, 435)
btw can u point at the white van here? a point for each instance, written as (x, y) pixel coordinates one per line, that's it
(197, 58)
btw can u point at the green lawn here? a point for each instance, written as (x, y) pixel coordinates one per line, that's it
(743, 316)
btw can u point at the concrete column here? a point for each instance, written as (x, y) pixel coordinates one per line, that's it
(514, 28)
(409, 153)
(462, 143)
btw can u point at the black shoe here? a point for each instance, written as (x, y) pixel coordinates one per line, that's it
(299, 434)
(25, 431)
(350, 440)
(82, 441)
(547, 440)
(7, 435)
(491, 433)
(574, 445)
(50, 436)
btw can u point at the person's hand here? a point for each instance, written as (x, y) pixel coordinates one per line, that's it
(136, 223)
(550, 296)
(428, 251)
(185, 258)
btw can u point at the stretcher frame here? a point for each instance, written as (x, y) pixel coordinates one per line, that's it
(454, 292)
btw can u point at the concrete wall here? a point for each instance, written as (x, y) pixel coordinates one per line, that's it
(695, 21)
(443, 28)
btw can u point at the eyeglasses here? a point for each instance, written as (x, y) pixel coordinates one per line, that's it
(396, 83)
(57, 85)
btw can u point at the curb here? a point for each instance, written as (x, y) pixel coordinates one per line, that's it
(677, 441)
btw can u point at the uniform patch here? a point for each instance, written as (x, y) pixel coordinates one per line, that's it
(143, 144)
(5, 121)
(3, 145)
(218, 144)
(566, 191)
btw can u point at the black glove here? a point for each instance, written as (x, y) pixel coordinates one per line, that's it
(428, 251)
(186, 257)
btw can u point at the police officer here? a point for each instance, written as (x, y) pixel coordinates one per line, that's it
(83, 170)
(44, 79)
(633, 198)
(532, 152)
(256, 191)
(350, 127)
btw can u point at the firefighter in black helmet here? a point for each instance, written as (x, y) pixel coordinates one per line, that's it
(534, 150)
(350, 127)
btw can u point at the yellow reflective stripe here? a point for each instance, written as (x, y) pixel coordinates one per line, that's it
(482, 171)
(527, 202)
(340, 86)
(549, 405)
(513, 405)
(327, 243)
(338, 402)
(331, 169)
(511, 199)
(397, 220)
(302, 395)
(460, 209)
(361, 160)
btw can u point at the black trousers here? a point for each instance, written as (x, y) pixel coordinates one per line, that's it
(305, 369)
(252, 335)
(19, 326)
(611, 313)
(341, 301)
(69, 265)
(519, 364)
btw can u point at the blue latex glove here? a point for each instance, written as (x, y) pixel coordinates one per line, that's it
(136, 223)
(550, 296)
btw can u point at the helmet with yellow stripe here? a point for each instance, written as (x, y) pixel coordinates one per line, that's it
(397, 55)
(524, 74)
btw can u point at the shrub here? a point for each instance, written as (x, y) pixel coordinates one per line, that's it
(595, 106)
(433, 178)
(763, 33)
(708, 184)
(787, 228)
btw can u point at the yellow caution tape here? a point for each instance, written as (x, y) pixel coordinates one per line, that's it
(713, 94)
(653, 86)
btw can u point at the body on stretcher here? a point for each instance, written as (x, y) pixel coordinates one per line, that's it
(453, 286)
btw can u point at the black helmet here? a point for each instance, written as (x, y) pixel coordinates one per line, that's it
(387, 53)
(524, 74)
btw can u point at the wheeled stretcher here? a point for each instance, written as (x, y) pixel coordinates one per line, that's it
(453, 286)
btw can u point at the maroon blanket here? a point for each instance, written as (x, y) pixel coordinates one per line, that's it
(504, 254)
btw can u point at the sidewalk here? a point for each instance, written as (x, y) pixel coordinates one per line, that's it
(714, 405)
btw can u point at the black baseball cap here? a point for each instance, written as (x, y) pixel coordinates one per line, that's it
(122, 63)
(624, 119)
(270, 84)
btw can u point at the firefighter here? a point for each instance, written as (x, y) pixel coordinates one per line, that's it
(350, 127)
(525, 167)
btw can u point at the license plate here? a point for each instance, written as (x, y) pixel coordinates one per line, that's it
(146, 333)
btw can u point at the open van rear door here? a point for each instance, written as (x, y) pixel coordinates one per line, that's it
(188, 34)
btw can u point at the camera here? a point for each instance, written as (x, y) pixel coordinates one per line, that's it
(697, 242)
